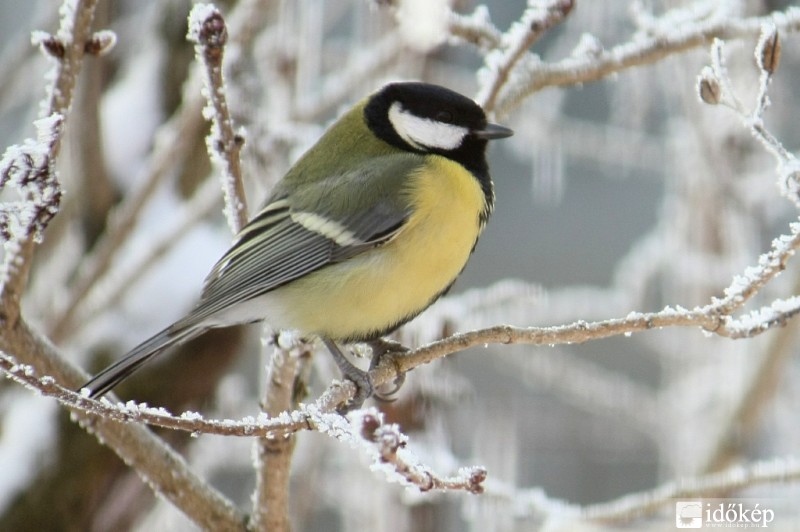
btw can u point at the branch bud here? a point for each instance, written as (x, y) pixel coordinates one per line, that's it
(708, 87)
(101, 42)
(369, 425)
(50, 44)
(768, 49)
(207, 30)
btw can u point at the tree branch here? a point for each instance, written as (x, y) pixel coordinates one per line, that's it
(160, 466)
(635, 505)
(69, 45)
(274, 451)
(532, 25)
(640, 50)
(714, 318)
(208, 33)
(388, 444)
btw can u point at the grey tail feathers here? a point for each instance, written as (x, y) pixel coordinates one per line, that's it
(104, 381)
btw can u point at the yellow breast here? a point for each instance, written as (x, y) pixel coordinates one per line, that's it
(371, 293)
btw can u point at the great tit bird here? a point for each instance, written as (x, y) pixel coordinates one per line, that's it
(369, 228)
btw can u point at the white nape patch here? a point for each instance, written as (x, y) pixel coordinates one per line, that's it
(425, 133)
(327, 228)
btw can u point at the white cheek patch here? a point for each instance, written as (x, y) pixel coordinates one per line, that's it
(425, 133)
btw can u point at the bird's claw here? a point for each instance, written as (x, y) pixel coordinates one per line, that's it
(361, 379)
(365, 388)
(380, 348)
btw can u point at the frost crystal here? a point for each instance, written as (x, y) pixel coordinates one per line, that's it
(30, 170)
(197, 17)
(588, 46)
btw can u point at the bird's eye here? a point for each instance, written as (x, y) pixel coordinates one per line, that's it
(444, 116)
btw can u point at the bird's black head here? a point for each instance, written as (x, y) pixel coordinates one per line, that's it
(427, 118)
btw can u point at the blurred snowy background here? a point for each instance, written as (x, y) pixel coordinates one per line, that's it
(625, 194)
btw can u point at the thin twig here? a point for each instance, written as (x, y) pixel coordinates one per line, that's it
(765, 377)
(532, 25)
(47, 384)
(388, 443)
(209, 34)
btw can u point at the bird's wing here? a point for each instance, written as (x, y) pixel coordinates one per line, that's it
(288, 239)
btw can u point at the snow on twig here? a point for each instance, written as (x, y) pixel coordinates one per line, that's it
(642, 48)
(537, 19)
(29, 169)
(387, 446)
(209, 34)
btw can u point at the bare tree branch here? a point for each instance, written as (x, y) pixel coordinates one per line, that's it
(714, 318)
(775, 470)
(208, 33)
(532, 25)
(640, 50)
(274, 451)
(73, 33)
(389, 443)
(160, 466)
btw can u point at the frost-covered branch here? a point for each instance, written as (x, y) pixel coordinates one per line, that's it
(634, 505)
(142, 413)
(274, 452)
(67, 49)
(158, 464)
(716, 317)
(384, 442)
(643, 48)
(531, 26)
(387, 446)
(30, 170)
(716, 87)
(208, 33)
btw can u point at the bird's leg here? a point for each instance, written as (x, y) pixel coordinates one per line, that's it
(359, 377)
(380, 347)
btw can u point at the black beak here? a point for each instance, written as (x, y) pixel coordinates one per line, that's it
(492, 131)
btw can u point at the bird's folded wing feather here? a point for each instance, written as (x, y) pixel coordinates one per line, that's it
(287, 240)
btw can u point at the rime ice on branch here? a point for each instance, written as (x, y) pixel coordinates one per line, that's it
(208, 33)
(30, 170)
